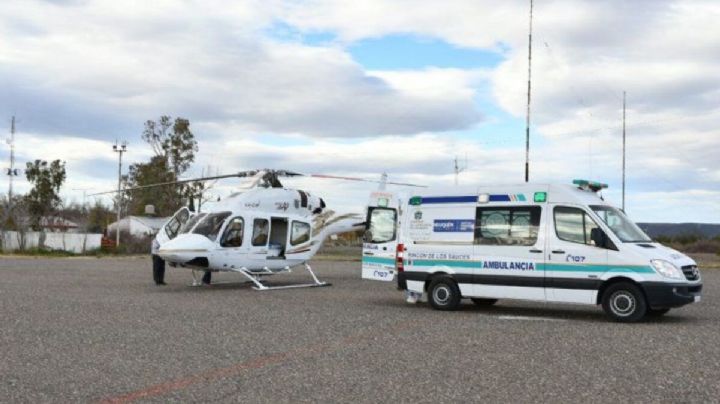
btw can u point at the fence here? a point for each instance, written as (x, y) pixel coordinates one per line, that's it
(72, 242)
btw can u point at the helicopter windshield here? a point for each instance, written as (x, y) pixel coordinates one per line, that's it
(211, 224)
(191, 223)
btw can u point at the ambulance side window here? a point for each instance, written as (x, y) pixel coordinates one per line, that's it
(512, 225)
(573, 225)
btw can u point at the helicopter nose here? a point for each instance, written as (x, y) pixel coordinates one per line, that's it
(187, 249)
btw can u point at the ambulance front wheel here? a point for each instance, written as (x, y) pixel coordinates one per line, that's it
(443, 293)
(624, 302)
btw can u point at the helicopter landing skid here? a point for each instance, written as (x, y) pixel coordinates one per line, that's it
(255, 278)
(197, 283)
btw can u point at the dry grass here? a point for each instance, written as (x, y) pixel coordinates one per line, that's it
(706, 260)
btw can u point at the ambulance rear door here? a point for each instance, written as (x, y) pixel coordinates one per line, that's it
(380, 238)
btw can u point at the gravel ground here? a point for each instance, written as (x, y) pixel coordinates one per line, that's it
(98, 330)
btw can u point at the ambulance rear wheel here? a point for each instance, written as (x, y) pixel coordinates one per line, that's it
(624, 302)
(484, 302)
(444, 294)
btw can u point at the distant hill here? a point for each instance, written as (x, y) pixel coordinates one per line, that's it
(705, 230)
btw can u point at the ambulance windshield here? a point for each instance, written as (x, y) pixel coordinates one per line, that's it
(624, 228)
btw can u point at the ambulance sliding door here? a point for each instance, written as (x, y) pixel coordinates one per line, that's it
(509, 251)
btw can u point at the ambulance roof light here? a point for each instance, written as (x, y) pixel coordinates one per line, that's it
(589, 185)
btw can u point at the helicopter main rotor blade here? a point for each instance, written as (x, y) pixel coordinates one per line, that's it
(335, 177)
(241, 174)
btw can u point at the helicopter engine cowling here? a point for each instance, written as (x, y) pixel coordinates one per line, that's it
(187, 249)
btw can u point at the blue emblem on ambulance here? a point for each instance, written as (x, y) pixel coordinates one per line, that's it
(453, 225)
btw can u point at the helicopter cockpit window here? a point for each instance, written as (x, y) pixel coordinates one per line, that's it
(172, 227)
(233, 236)
(210, 225)
(300, 233)
(261, 231)
(191, 223)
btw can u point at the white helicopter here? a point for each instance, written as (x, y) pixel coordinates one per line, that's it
(264, 229)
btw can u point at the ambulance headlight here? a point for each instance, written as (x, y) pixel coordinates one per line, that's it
(667, 269)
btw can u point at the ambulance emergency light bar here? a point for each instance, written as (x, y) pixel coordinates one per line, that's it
(590, 185)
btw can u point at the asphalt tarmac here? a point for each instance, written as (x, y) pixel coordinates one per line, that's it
(99, 330)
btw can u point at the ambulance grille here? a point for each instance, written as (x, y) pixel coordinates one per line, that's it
(691, 272)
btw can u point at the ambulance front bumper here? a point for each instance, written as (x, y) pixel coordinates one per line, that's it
(661, 295)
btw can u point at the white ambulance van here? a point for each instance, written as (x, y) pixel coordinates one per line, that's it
(548, 243)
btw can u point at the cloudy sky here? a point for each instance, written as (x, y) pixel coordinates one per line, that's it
(364, 87)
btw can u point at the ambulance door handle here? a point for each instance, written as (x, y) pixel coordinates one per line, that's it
(368, 253)
(558, 252)
(535, 251)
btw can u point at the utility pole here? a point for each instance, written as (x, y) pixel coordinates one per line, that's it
(527, 116)
(12, 171)
(623, 156)
(120, 149)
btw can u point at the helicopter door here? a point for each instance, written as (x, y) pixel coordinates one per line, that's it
(231, 242)
(259, 238)
(379, 244)
(278, 238)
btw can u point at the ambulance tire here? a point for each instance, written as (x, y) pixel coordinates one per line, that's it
(624, 302)
(484, 302)
(444, 293)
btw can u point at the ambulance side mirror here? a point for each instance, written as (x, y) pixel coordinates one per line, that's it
(367, 236)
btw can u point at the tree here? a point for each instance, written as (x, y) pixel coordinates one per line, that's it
(43, 198)
(174, 146)
(16, 221)
(99, 216)
(177, 146)
(165, 198)
(198, 191)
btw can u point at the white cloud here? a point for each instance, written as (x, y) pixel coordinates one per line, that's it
(137, 61)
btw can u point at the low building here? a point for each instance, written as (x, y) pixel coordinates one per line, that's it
(138, 226)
